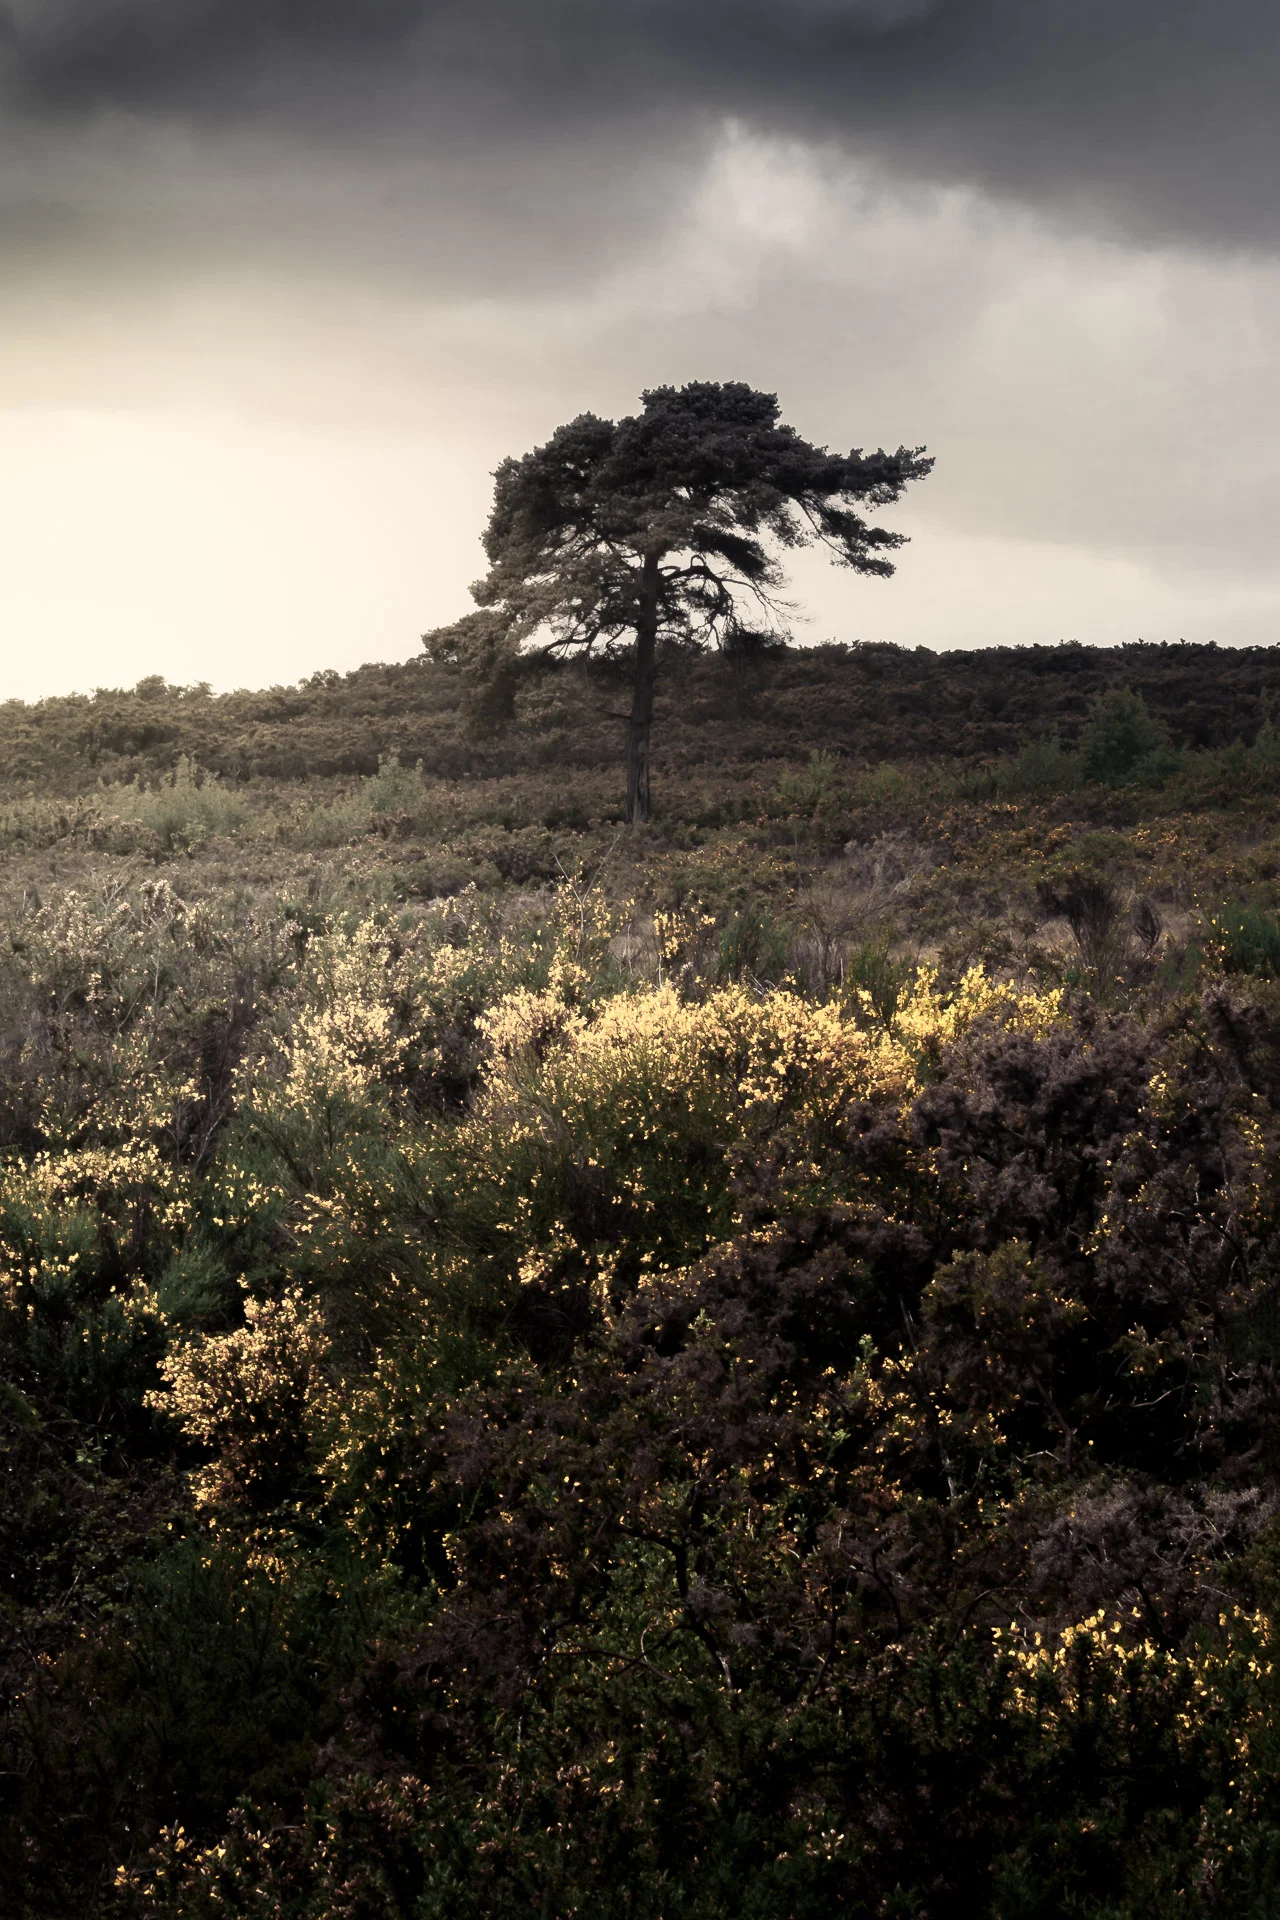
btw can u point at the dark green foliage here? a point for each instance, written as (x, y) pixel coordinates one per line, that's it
(704, 472)
(1249, 941)
(752, 943)
(1042, 766)
(871, 969)
(1122, 741)
(207, 1679)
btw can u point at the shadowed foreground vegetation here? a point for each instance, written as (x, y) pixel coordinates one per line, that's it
(723, 1369)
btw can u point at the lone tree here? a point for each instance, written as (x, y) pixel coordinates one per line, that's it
(662, 526)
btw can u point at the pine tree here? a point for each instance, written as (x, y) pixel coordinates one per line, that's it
(667, 525)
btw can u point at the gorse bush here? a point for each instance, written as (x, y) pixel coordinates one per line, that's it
(388, 802)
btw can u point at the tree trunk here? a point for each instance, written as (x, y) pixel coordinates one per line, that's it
(641, 723)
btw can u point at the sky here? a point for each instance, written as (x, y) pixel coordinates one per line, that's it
(281, 281)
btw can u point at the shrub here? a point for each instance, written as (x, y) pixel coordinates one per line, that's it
(1041, 766)
(246, 1398)
(807, 787)
(394, 790)
(1091, 907)
(393, 802)
(751, 943)
(184, 806)
(215, 1672)
(1247, 940)
(1121, 741)
(605, 1143)
(871, 972)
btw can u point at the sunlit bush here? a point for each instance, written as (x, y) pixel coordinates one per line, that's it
(248, 1398)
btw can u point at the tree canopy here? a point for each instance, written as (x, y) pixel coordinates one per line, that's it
(667, 525)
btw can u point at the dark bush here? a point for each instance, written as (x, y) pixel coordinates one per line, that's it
(1122, 741)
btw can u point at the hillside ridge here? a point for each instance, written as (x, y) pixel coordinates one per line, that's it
(867, 701)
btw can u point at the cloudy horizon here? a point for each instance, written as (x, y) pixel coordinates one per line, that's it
(283, 283)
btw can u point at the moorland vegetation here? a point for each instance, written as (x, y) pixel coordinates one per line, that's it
(725, 1367)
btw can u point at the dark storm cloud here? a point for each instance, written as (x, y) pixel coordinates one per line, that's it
(1158, 115)
(131, 51)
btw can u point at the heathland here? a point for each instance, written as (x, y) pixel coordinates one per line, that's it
(720, 1368)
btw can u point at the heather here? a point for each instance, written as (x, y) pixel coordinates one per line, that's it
(720, 1367)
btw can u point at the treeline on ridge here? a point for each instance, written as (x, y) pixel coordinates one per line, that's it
(869, 702)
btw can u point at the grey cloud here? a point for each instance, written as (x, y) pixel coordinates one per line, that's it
(1154, 116)
(93, 52)
(1157, 115)
(462, 149)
